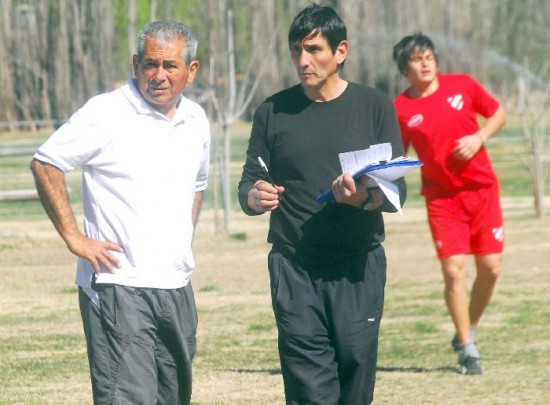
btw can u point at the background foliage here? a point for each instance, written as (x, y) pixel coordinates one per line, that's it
(61, 52)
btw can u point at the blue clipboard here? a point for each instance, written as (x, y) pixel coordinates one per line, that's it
(388, 171)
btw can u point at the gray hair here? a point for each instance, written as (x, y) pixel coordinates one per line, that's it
(169, 30)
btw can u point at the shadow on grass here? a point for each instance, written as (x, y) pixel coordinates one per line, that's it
(273, 371)
(382, 369)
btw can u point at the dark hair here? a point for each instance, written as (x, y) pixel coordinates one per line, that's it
(314, 20)
(169, 30)
(407, 46)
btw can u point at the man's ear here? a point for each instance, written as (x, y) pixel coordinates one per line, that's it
(135, 63)
(342, 52)
(193, 68)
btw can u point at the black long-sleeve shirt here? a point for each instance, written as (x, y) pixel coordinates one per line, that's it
(300, 140)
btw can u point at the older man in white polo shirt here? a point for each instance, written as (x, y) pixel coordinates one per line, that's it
(144, 154)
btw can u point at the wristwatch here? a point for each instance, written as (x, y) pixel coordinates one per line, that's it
(367, 204)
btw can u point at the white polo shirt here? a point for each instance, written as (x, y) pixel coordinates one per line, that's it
(140, 172)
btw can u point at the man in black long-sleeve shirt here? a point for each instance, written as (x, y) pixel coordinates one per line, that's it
(327, 266)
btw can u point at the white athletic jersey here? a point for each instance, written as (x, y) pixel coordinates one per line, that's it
(140, 173)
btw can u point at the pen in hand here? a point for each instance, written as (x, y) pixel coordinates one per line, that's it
(264, 167)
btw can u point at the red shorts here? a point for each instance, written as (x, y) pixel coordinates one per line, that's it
(469, 222)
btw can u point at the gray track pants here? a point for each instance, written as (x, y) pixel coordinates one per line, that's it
(141, 342)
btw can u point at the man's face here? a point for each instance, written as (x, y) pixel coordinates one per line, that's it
(422, 68)
(315, 62)
(162, 74)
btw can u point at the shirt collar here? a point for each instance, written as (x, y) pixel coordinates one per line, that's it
(133, 95)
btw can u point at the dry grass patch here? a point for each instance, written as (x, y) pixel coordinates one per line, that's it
(42, 349)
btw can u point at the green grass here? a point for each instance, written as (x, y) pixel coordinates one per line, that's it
(21, 210)
(42, 349)
(508, 153)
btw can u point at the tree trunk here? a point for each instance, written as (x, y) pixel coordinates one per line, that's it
(532, 114)
(7, 95)
(132, 16)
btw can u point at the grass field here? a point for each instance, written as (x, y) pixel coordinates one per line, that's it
(42, 349)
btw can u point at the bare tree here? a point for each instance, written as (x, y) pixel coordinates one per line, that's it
(132, 16)
(60, 48)
(231, 90)
(153, 12)
(7, 95)
(26, 71)
(533, 108)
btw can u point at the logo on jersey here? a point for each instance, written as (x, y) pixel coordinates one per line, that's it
(498, 234)
(456, 102)
(415, 120)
